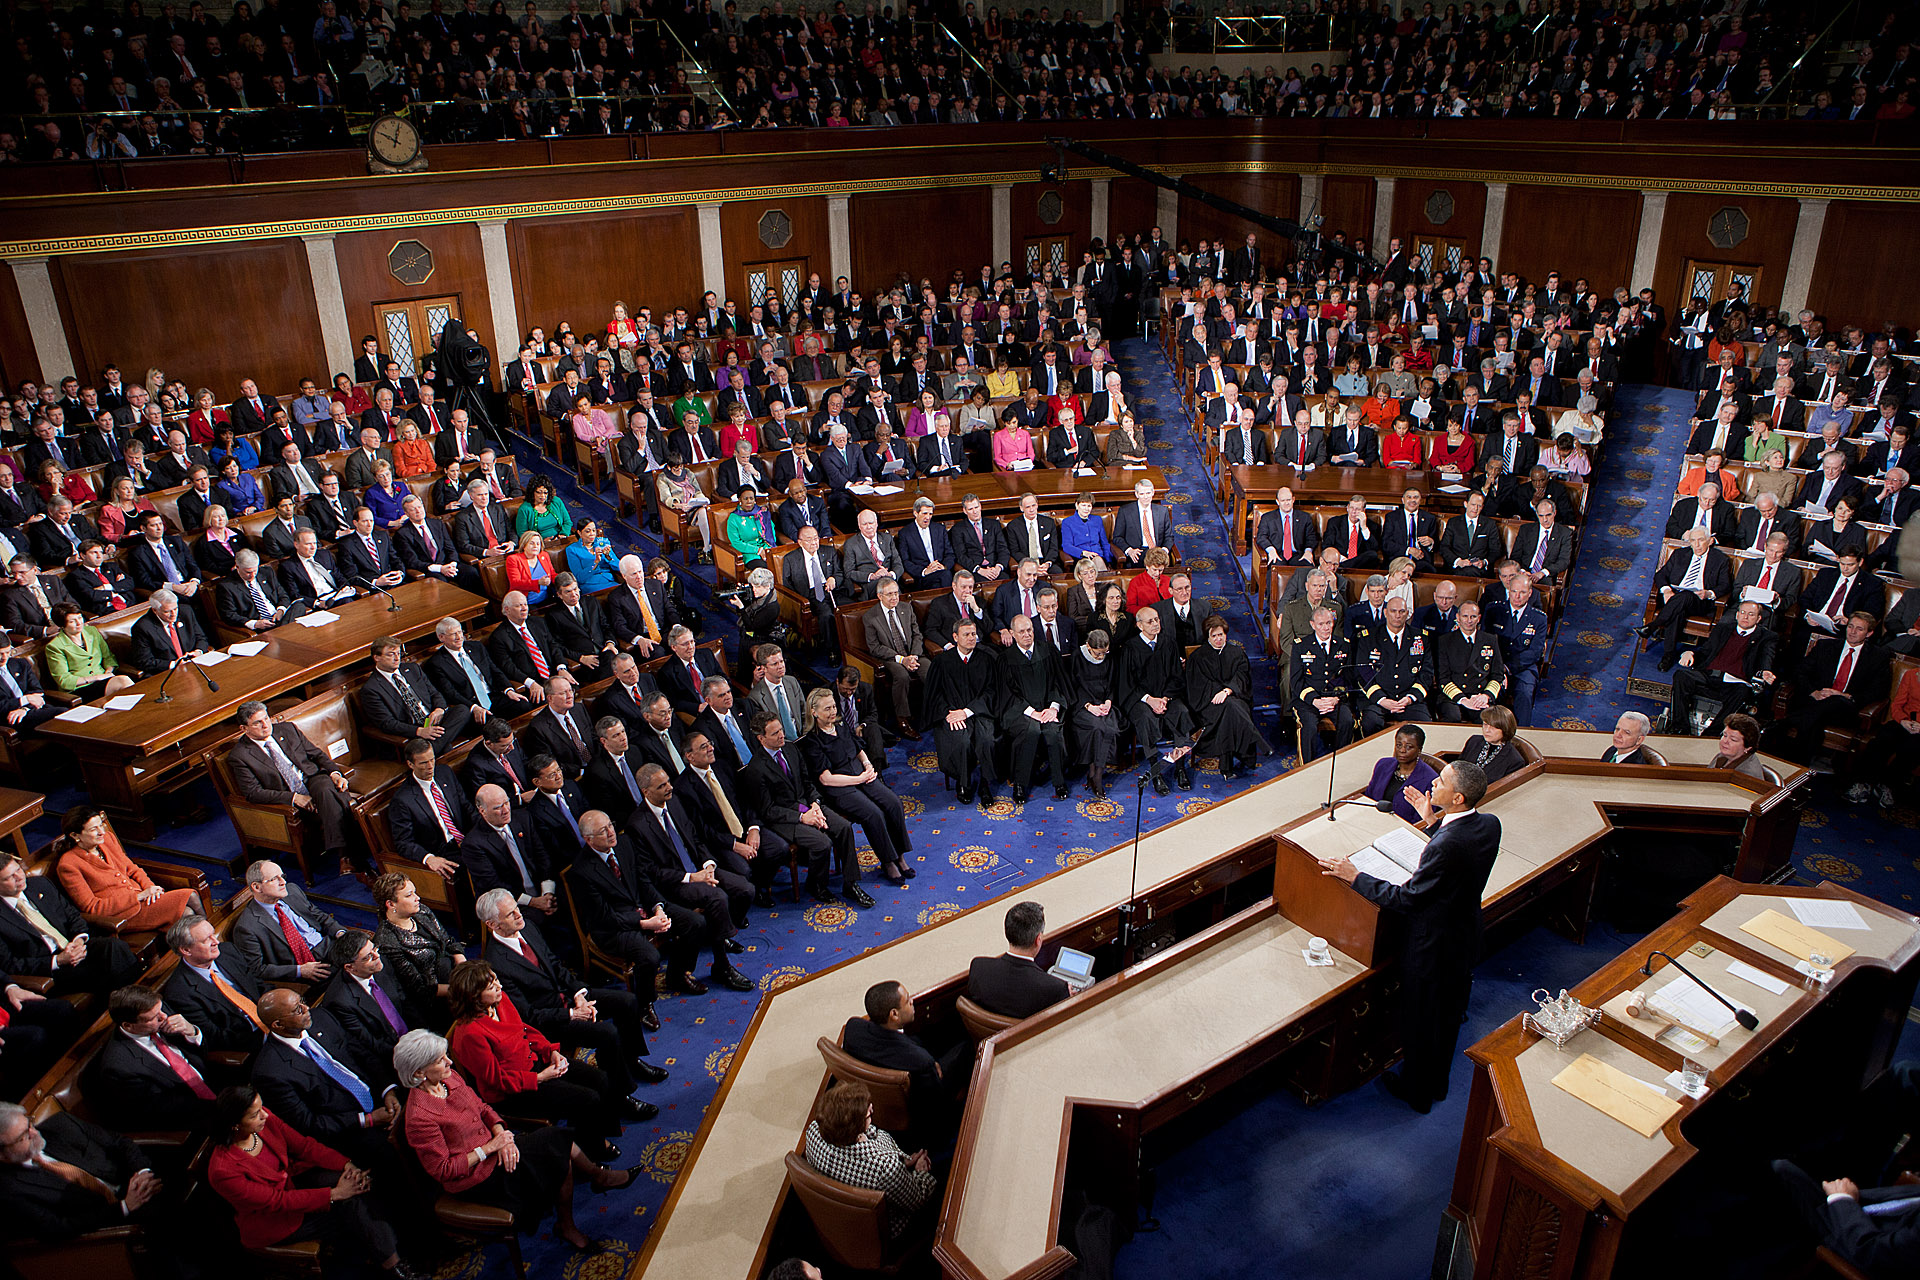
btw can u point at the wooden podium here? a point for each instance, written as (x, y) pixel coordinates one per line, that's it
(1548, 1186)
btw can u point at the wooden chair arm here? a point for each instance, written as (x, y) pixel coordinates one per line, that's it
(38, 985)
(1839, 1265)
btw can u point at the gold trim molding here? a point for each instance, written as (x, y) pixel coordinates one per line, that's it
(188, 237)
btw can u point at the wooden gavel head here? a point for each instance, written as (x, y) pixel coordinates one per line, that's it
(1637, 1005)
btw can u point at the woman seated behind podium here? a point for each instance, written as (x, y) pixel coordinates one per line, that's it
(78, 659)
(466, 1148)
(1012, 445)
(285, 1187)
(109, 887)
(844, 1144)
(1492, 748)
(530, 569)
(1739, 747)
(1402, 770)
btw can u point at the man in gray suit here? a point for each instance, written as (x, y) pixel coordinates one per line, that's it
(869, 557)
(893, 637)
(281, 932)
(776, 692)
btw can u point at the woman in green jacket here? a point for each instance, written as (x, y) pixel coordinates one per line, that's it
(543, 512)
(78, 659)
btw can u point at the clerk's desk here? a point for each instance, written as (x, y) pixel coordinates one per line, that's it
(1548, 1186)
(125, 756)
(1068, 1094)
(720, 1216)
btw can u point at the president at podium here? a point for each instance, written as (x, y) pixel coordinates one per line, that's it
(1441, 902)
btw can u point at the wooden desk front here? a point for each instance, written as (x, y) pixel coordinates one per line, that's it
(1548, 1186)
(124, 755)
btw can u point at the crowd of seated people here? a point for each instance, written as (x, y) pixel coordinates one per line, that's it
(173, 82)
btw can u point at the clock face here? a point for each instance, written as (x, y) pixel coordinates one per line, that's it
(393, 141)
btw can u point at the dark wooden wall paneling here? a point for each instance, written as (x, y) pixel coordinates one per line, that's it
(1864, 274)
(573, 269)
(1410, 212)
(1132, 207)
(740, 240)
(1075, 221)
(1575, 232)
(1347, 205)
(1683, 235)
(1277, 194)
(923, 234)
(459, 270)
(18, 361)
(209, 316)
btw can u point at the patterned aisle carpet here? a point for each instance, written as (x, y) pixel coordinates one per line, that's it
(965, 856)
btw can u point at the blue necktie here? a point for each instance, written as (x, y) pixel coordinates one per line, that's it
(679, 845)
(339, 1074)
(627, 773)
(479, 684)
(739, 742)
(560, 799)
(786, 712)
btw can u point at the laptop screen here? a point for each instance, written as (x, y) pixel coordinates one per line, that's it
(1075, 964)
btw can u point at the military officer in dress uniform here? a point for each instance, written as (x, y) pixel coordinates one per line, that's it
(1522, 627)
(1468, 665)
(1318, 677)
(1394, 670)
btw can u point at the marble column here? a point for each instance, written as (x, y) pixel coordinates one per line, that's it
(713, 259)
(1102, 189)
(1002, 224)
(1800, 263)
(1646, 246)
(839, 238)
(34, 279)
(500, 300)
(1493, 225)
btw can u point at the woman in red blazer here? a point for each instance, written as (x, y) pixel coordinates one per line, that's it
(515, 1067)
(467, 1149)
(284, 1186)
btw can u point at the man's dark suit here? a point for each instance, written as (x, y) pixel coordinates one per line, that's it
(513, 661)
(1013, 985)
(235, 605)
(1868, 592)
(553, 835)
(913, 557)
(153, 651)
(542, 989)
(1806, 718)
(415, 825)
(1441, 903)
(484, 856)
(724, 905)
(1722, 521)
(611, 908)
(222, 1025)
(412, 548)
(471, 539)
(382, 707)
(578, 635)
(973, 548)
(300, 583)
(131, 1089)
(451, 679)
(258, 936)
(19, 611)
(1690, 681)
(619, 702)
(282, 483)
(1880, 1243)
(1559, 557)
(356, 562)
(52, 548)
(1127, 533)
(259, 782)
(546, 734)
(143, 564)
(297, 1090)
(109, 963)
(360, 1017)
(781, 795)
(624, 616)
(42, 1205)
(677, 682)
(933, 1082)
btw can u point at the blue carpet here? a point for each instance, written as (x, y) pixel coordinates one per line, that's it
(1353, 1188)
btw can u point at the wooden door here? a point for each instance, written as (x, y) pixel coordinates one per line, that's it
(1709, 280)
(409, 331)
(1439, 256)
(782, 277)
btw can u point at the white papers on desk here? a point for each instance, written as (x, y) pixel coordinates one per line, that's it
(1814, 510)
(211, 658)
(1685, 1000)
(860, 486)
(1344, 458)
(881, 490)
(1020, 464)
(246, 648)
(1453, 488)
(1394, 857)
(124, 702)
(1827, 913)
(80, 715)
(1759, 978)
(1083, 471)
(1133, 466)
(1758, 596)
(318, 618)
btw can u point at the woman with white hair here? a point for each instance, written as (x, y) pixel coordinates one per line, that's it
(465, 1147)
(759, 618)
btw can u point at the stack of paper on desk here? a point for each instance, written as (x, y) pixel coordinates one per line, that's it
(1394, 857)
(1641, 1106)
(1794, 938)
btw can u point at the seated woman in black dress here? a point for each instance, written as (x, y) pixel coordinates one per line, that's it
(1219, 692)
(1095, 720)
(851, 786)
(1492, 748)
(467, 1149)
(416, 948)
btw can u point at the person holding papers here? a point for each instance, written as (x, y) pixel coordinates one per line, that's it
(1441, 903)
(1839, 676)
(1838, 591)
(311, 574)
(1839, 531)
(1737, 652)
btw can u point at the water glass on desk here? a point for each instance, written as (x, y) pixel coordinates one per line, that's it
(1317, 952)
(1693, 1076)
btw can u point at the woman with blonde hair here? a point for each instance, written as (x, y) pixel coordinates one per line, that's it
(851, 787)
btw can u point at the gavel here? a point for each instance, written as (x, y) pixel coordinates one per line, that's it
(1637, 1008)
